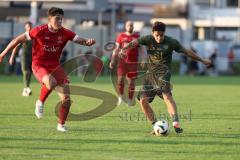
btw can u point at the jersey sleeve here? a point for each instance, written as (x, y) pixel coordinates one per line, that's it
(177, 46)
(32, 33)
(137, 34)
(70, 35)
(119, 39)
(144, 40)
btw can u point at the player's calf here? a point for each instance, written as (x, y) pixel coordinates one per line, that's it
(63, 113)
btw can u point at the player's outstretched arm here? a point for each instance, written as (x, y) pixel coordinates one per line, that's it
(19, 39)
(144, 56)
(190, 53)
(114, 56)
(85, 42)
(14, 52)
(132, 44)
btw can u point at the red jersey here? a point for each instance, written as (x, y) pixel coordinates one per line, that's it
(132, 54)
(47, 46)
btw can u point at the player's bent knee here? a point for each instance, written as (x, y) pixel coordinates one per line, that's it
(120, 80)
(144, 101)
(51, 85)
(167, 96)
(66, 100)
(49, 81)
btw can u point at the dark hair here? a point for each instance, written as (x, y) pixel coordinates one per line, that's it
(29, 23)
(55, 11)
(158, 26)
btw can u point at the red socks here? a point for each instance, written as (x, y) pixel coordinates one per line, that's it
(44, 93)
(131, 89)
(63, 112)
(120, 88)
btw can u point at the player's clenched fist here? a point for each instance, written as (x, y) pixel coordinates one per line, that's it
(90, 42)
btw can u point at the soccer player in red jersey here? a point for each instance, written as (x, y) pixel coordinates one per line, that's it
(126, 67)
(48, 41)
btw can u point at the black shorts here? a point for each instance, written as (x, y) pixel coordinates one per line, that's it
(150, 90)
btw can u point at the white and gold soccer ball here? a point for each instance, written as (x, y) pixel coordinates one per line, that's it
(161, 128)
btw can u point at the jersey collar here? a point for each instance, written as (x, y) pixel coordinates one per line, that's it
(50, 30)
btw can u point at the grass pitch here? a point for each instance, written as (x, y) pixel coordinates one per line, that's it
(209, 110)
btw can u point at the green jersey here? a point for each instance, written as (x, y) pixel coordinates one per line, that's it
(27, 51)
(160, 55)
(26, 55)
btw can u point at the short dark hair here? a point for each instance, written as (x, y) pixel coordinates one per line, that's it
(29, 23)
(159, 26)
(55, 11)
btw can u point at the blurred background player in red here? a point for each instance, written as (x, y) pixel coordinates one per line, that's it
(48, 41)
(127, 66)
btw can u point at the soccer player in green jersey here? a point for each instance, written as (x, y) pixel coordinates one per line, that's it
(157, 79)
(26, 60)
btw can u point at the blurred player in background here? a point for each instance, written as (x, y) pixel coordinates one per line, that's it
(126, 67)
(25, 52)
(157, 80)
(48, 41)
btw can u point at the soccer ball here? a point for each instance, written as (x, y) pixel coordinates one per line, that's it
(161, 128)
